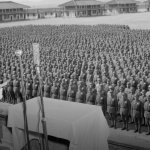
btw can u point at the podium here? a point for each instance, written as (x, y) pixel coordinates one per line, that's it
(83, 125)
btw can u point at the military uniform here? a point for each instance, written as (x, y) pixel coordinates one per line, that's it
(91, 94)
(47, 89)
(124, 106)
(81, 93)
(71, 93)
(147, 113)
(10, 92)
(55, 90)
(112, 107)
(28, 89)
(101, 98)
(63, 89)
(136, 110)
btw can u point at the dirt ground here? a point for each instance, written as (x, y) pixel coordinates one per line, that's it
(134, 20)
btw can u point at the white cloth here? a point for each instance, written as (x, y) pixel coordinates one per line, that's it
(83, 125)
(1, 93)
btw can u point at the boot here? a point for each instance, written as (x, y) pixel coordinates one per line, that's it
(112, 124)
(148, 133)
(136, 129)
(139, 129)
(115, 126)
(123, 128)
(127, 129)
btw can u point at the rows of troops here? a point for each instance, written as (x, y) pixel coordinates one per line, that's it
(105, 65)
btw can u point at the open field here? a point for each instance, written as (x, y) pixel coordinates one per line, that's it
(134, 20)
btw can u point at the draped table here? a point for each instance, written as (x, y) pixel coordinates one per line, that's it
(83, 125)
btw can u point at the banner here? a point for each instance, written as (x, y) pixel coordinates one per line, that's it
(36, 54)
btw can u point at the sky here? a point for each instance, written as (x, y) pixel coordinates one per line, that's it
(44, 3)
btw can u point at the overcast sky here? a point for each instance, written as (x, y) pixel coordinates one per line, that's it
(44, 3)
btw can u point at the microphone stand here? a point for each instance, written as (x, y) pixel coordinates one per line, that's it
(19, 53)
(45, 145)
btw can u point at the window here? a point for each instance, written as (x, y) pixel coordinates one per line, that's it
(33, 14)
(46, 13)
(94, 11)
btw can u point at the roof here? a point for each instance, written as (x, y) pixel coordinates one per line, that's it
(82, 2)
(11, 5)
(122, 2)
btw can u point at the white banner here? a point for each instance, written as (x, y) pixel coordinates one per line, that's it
(36, 53)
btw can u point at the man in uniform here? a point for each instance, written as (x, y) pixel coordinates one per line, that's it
(101, 99)
(124, 106)
(143, 99)
(47, 88)
(91, 94)
(136, 110)
(63, 89)
(147, 113)
(81, 93)
(112, 106)
(55, 89)
(71, 93)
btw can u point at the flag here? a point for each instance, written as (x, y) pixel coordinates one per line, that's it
(36, 54)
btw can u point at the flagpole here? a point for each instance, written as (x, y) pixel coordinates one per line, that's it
(26, 131)
(36, 56)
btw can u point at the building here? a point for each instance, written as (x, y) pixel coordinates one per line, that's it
(122, 6)
(141, 7)
(83, 8)
(147, 3)
(11, 11)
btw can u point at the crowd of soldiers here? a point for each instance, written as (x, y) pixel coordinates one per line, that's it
(104, 65)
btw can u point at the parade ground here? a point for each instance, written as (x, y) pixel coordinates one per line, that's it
(118, 139)
(134, 20)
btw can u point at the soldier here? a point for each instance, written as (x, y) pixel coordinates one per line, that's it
(63, 89)
(47, 88)
(10, 92)
(16, 89)
(143, 99)
(35, 87)
(131, 96)
(28, 89)
(124, 106)
(101, 99)
(55, 89)
(147, 113)
(71, 93)
(91, 94)
(136, 110)
(81, 93)
(112, 107)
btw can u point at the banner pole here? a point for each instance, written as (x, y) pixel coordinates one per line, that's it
(19, 53)
(36, 55)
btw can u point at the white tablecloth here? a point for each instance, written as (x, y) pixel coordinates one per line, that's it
(83, 125)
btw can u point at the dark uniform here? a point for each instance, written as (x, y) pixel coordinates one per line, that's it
(112, 106)
(91, 94)
(63, 89)
(101, 99)
(147, 113)
(136, 110)
(28, 89)
(81, 93)
(71, 93)
(124, 106)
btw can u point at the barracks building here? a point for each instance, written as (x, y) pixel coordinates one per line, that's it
(11, 11)
(122, 6)
(83, 8)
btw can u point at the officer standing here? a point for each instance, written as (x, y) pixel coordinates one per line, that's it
(136, 110)
(112, 106)
(147, 113)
